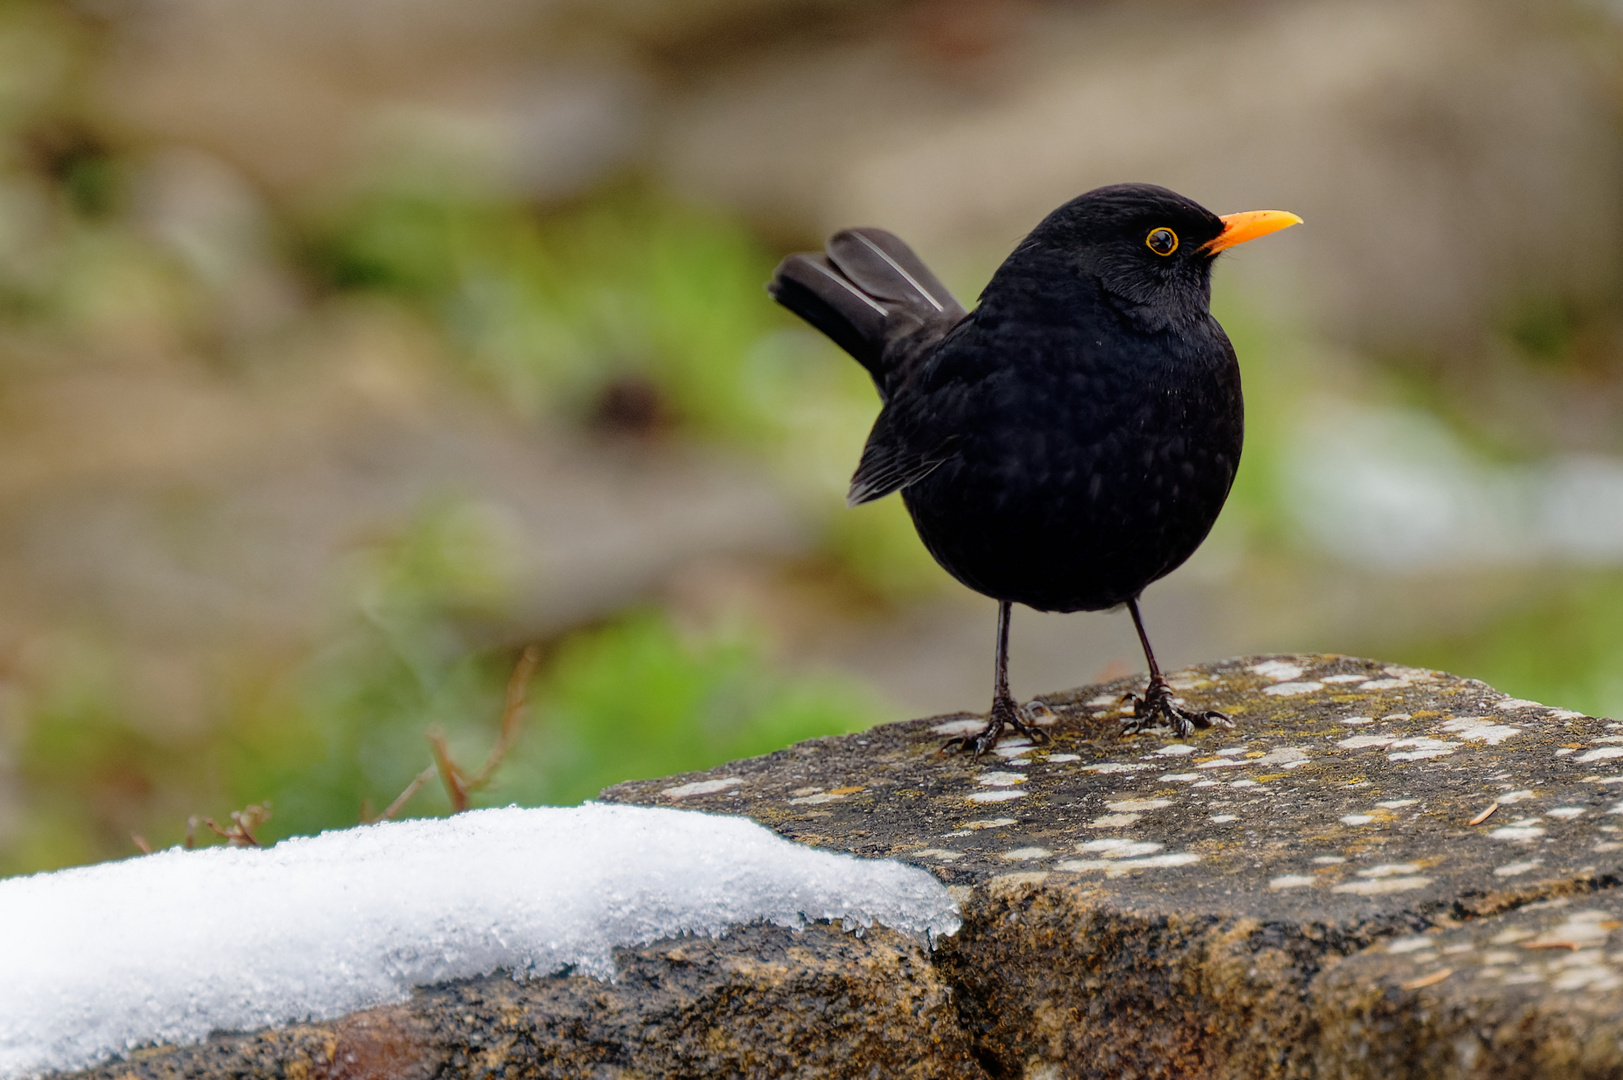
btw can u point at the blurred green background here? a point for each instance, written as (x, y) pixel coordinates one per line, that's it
(347, 348)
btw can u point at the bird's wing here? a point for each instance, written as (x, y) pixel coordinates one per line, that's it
(923, 428)
(890, 464)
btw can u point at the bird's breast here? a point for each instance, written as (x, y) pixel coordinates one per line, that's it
(1081, 476)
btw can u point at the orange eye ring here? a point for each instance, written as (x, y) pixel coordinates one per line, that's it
(1163, 241)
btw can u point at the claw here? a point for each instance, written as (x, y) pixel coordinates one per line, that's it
(1038, 712)
(1157, 706)
(1005, 713)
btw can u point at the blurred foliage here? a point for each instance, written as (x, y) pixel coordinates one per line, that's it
(637, 698)
(627, 314)
(553, 309)
(1253, 516)
(552, 312)
(629, 699)
(1559, 645)
(630, 310)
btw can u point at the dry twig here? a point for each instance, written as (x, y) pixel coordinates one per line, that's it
(457, 784)
(518, 688)
(240, 833)
(456, 788)
(404, 797)
(1428, 980)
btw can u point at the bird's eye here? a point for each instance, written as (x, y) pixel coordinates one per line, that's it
(1162, 241)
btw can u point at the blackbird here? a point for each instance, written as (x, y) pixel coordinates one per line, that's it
(1074, 437)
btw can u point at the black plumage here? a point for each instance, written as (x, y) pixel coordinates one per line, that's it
(1074, 437)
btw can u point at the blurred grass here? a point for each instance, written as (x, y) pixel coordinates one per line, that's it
(549, 312)
(1560, 644)
(555, 311)
(549, 309)
(626, 314)
(631, 698)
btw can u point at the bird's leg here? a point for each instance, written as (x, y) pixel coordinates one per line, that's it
(1156, 706)
(1005, 711)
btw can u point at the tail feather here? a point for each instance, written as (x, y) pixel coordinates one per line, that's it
(885, 268)
(869, 292)
(811, 287)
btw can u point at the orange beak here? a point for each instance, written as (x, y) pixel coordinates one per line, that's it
(1238, 228)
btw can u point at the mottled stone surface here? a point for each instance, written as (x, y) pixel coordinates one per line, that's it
(763, 1001)
(1380, 872)
(1145, 907)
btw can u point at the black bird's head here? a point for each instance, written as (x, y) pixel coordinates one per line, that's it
(1149, 247)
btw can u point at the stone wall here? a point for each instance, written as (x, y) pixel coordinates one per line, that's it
(1381, 872)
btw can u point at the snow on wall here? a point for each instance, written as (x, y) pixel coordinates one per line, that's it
(172, 946)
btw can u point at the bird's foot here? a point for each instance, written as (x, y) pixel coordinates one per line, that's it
(1005, 714)
(1157, 709)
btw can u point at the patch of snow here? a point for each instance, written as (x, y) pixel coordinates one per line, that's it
(941, 854)
(1277, 670)
(1517, 868)
(959, 727)
(1422, 748)
(1119, 848)
(1517, 832)
(1412, 944)
(1480, 729)
(819, 798)
(701, 787)
(1000, 779)
(1000, 795)
(1118, 866)
(1376, 886)
(1390, 870)
(172, 946)
(1291, 881)
(1292, 689)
